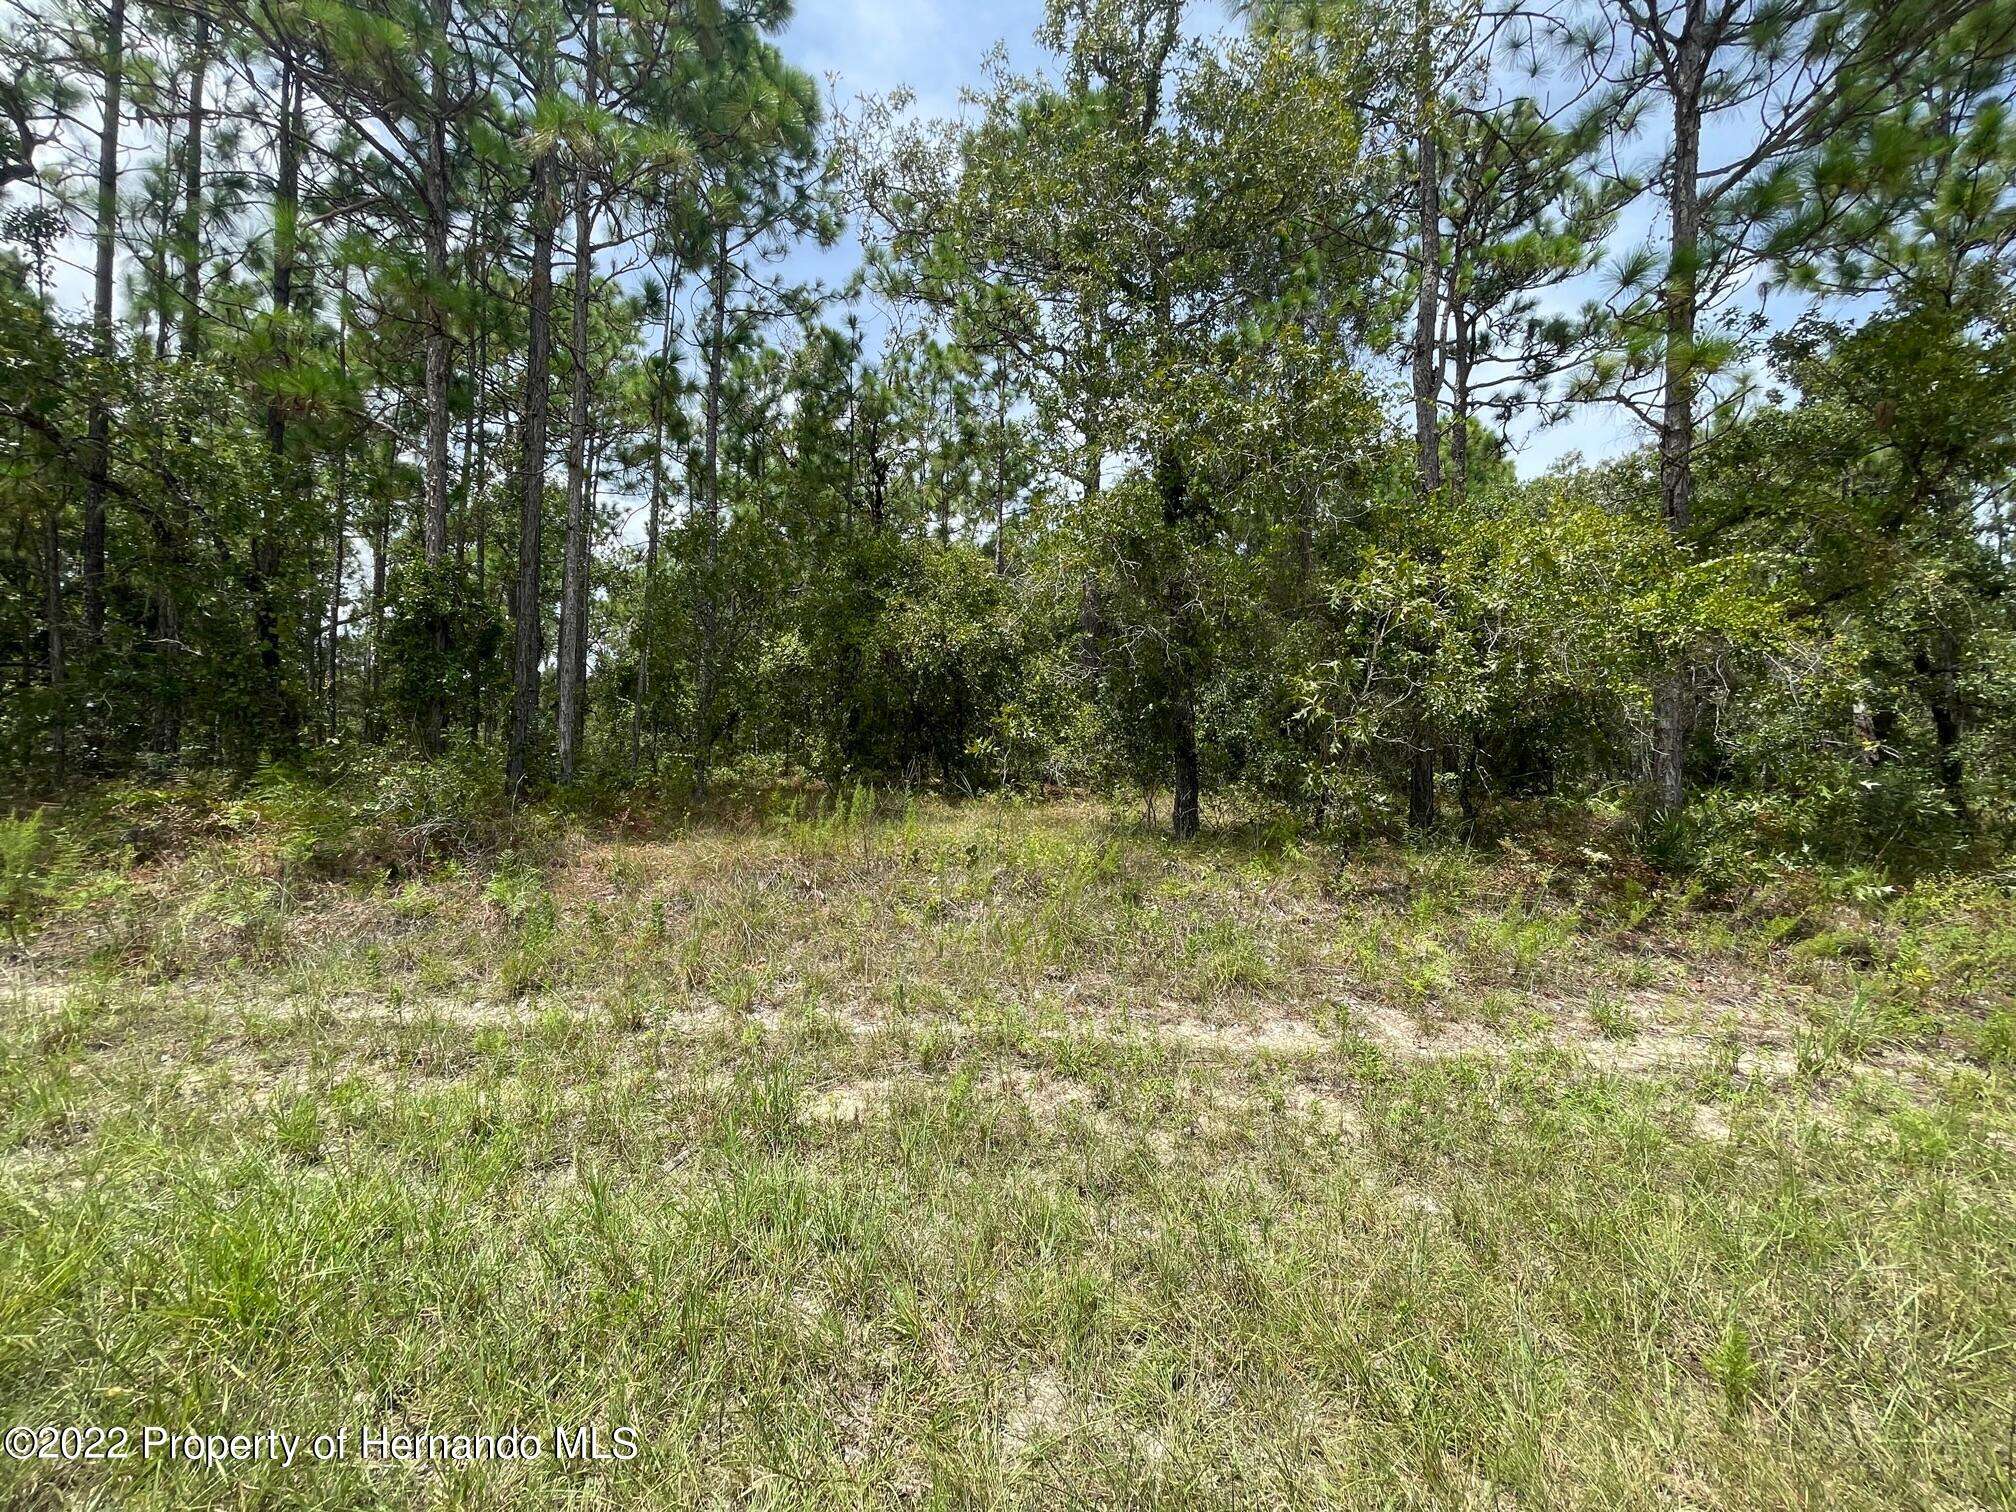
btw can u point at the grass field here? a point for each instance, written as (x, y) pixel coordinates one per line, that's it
(1008, 1154)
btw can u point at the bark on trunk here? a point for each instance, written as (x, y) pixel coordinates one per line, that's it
(1672, 707)
(169, 534)
(651, 527)
(192, 195)
(477, 507)
(942, 490)
(1938, 667)
(1428, 250)
(98, 425)
(280, 717)
(1459, 406)
(1185, 813)
(532, 485)
(59, 713)
(1468, 786)
(574, 560)
(703, 735)
(1426, 811)
(1427, 440)
(166, 620)
(342, 499)
(434, 526)
(336, 583)
(164, 233)
(1000, 472)
(1422, 811)
(381, 547)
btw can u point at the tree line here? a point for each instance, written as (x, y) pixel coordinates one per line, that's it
(431, 377)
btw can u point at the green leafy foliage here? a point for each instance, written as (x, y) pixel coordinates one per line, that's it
(1118, 496)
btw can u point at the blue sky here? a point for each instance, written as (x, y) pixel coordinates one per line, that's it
(937, 47)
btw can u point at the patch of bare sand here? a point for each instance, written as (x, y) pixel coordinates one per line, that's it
(1717, 998)
(1044, 1094)
(1652, 1053)
(1672, 1032)
(1037, 1408)
(1710, 1123)
(1283, 1034)
(40, 1167)
(24, 992)
(1335, 1111)
(1694, 1024)
(850, 1103)
(1416, 1036)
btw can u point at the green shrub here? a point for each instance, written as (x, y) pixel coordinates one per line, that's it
(384, 815)
(36, 862)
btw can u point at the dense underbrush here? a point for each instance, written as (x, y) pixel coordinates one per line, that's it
(162, 878)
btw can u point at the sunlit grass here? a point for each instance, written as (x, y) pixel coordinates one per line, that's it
(1005, 1154)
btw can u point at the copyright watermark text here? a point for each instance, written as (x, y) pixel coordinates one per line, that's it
(74, 1443)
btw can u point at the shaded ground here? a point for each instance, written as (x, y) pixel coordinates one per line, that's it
(1004, 1154)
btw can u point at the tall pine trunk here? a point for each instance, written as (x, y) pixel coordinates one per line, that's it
(477, 505)
(1672, 700)
(280, 717)
(98, 425)
(1938, 668)
(574, 562)
(342, 498)
(1172, 483)
(157, 253)
(59, 714)
(434, 525)
(170, 530)
(526, 649)
(703, 734)
(651, 528)
(1460, 362)
(381, 547)
(1000, 471)
(336, 582)
(1422, 810)
(192, 194)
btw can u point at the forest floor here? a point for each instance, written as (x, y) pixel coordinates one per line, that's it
(1008, 1153)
